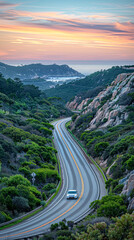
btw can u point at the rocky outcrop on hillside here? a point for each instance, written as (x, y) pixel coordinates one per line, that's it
(128, 182)
(77, 103)
(110, 104)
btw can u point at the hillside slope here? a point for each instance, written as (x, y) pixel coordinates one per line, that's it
(25, 147)
(106, 129)
(89, 86)
(111, 106)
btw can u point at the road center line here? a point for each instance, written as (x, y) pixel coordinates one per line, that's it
(82, 191)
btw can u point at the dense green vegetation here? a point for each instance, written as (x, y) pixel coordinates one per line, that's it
(33, 70)
(94, 83)
(93, 229)
(110, 206)
(116, 145)
(25, 147)
(113, 148)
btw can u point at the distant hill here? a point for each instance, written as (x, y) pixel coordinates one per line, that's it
(33, 71)
(84, 87)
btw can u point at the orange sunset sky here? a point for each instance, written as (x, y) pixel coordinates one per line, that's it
(72, 30)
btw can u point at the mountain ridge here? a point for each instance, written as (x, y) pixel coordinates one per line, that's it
(32, 71)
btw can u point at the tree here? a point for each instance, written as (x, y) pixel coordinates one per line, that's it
(46, 131)
(21, 204)
(111, 209)
(2, 199)
(74, 117)
(44, 196)
(122, 229)
(96, 232)
(109, 206)
(43, 203)
(32, 91)
(54, 226)
(130, 163)
(9, 203)
(70, 224)
(100, 147)
(17, 180)
(4, 217)
(63, 226)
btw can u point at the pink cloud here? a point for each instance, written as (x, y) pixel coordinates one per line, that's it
(4, 4)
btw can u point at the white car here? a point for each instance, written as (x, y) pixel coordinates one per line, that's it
(72, 194)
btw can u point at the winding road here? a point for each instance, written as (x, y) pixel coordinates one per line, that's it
(77, 173)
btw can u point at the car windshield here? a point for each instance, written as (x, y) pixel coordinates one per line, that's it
(72, 192)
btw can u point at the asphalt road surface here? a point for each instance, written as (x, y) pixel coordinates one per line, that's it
(78, 173)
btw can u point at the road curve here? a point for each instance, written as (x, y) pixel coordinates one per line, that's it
(78, 174)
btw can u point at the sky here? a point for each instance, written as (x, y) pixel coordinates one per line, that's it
(58, 30)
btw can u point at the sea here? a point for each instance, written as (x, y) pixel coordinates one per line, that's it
(90, 67)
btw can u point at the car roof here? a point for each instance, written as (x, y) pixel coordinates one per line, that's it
(72, 190)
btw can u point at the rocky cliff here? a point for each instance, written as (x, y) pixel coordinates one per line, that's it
(110, 104)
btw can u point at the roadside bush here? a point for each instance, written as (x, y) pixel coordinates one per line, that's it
(18, 180)
(54, 226)
(110, 206)
(74, 117)
(122, 229)
(49, 186)
(24, 191)
(45, 174)
(21, 204)
(9, 203)
(111, 209)
(44, 196)
(11, 191)
(4, 217)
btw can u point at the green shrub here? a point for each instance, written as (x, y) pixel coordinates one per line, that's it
(24, 191)
(110, 206)
(74, 117)
(4, 217)
(21, 204)
(26, 171)
(46, 131)
(44, 196)
(123, 228)
(118, 188)
(9, 203)
(2, 125)
(18, 180)
(43, 174)
(123, 145)
(100, 147)
(11, 191)
(49, 186)
(54, 226)
(130, 163)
